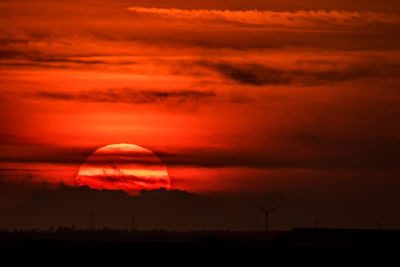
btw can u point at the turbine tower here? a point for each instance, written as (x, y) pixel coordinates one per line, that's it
(266, 212)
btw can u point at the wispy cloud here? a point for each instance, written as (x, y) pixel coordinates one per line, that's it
(257, 74)
(130, 96)
(298, 19)
(339, 153)
(251, 74)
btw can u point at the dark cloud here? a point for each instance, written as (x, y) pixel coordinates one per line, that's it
(130, 96)
(10, 54)
(54, 59)
(313, 152)
(366, 159)
(20, 170)
(261, 75)
(11, 41)
(55, 45)
(45, 153)
(43, 59)
(130, 179)
(122, 158)
(253, 74)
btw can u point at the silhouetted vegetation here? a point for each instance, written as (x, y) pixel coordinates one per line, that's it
(333, 247)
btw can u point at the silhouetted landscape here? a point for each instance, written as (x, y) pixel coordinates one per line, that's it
(81, 220)
(176, 210)
(344, 247)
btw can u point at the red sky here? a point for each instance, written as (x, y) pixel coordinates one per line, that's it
(232, 96)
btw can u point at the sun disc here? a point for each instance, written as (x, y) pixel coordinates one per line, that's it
(126, 167)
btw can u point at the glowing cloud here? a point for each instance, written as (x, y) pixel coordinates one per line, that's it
(297, 19)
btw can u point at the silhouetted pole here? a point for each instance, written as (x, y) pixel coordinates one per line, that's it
(266, 212)
(379, 224)
(133, 221)
(91, 220)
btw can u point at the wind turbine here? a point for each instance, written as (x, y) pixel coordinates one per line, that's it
(266, 212)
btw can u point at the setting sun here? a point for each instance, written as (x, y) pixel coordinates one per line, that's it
(126, 167)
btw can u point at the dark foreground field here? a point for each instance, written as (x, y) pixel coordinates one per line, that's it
(317, 247)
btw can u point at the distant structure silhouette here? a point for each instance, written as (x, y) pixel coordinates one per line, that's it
(317, 221)
(133, 225)
(266, 212)
(379, 224)
(91, 220)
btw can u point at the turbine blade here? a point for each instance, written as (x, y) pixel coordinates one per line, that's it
(263, 209)
(270, 210)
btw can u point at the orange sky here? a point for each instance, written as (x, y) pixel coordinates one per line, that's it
(237, 100)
